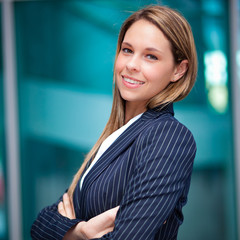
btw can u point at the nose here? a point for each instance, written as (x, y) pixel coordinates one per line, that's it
(133, 65)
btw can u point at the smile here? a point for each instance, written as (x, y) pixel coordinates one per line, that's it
(131, 81)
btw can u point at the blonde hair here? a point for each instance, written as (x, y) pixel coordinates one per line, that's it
(177, 30)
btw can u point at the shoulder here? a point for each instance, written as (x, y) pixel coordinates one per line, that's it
(166, 130)
(162, 119)
(166, 143)
(167, 122)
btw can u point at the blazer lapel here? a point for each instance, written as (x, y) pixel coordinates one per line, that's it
(121, 144)
(117, 147)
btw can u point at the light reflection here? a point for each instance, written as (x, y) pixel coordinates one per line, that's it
(218, 96)
(214, 7)
(216, 78)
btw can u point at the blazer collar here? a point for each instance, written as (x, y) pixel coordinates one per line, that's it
(157, 111)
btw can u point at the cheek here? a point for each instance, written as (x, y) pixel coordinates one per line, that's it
(159, 74)
(152, 74)
(118, 70)
(119, 64)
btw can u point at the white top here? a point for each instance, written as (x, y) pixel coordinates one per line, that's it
(107, 143)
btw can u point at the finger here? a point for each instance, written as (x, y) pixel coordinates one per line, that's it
(114, 210)
(68, 206)
(91, 230)
(112, 213)
(73, 210)
(61, 209)
(104, 220)
(100, 224)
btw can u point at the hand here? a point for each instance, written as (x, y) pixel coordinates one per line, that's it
(96, 227)
(101, 224)
(65, 208)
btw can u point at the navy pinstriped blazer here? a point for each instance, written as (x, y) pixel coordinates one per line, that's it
(146, 171)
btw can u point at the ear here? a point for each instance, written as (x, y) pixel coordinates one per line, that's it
(180, 70)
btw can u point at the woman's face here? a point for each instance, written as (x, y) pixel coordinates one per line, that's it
(145, 64)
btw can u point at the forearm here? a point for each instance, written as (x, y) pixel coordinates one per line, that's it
(94, 228)
(51, 225)
(76, 232)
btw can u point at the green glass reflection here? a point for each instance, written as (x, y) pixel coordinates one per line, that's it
(65, 53)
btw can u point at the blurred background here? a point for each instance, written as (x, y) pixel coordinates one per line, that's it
(56, 67)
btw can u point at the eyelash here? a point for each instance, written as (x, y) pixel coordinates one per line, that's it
(152, 57)
(127, 50)
(149, 56)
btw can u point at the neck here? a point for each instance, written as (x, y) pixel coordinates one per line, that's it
(132, 110)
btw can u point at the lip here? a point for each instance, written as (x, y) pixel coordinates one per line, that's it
(130, 82)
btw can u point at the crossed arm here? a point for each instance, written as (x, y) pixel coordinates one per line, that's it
(94, 228)
(158, 186)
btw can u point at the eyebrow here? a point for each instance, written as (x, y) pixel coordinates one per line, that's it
(151, 49)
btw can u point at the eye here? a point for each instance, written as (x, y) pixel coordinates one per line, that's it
(127, 50)
(152, 57)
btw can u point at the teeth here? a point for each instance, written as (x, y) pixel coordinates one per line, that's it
(132, 81)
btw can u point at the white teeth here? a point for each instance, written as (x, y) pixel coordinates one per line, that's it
(132, 81)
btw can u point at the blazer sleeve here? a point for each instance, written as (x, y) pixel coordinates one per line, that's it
(51, 225)
(164, 155)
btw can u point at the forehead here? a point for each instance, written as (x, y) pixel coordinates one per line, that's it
(146, 33)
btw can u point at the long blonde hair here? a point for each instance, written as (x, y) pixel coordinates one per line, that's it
(177, 30)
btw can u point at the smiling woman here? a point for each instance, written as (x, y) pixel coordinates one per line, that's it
(135, 180)
(144, 68)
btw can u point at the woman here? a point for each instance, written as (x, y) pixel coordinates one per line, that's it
(135, 180)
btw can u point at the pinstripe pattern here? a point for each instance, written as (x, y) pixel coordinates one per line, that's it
(146, 171)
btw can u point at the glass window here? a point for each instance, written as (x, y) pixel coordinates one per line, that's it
(65, 56)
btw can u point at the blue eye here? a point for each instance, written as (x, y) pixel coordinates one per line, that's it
(127, 50)
(152, 57)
